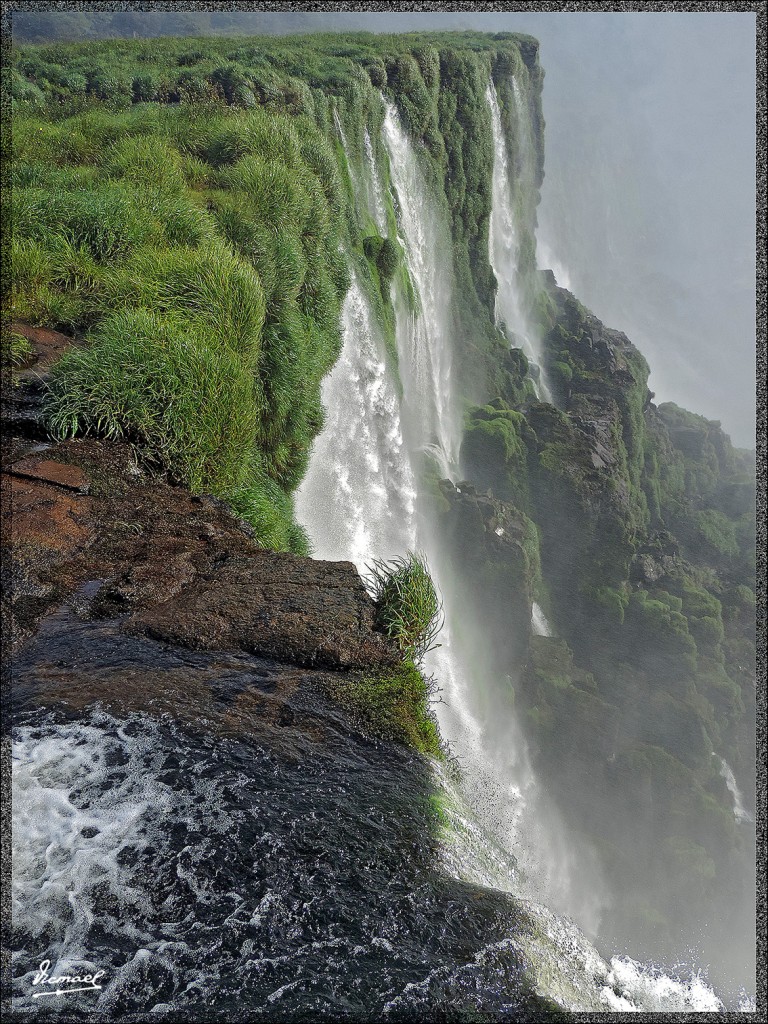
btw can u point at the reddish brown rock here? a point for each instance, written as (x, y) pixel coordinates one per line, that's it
(173, 566)
(45, 516)
(59, 473)
(47, 346)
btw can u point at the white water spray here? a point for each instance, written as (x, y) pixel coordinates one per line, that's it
(344, 503)
(376, 205)
(740, 812)
(358, 496)
(504, 240)
(539, 623)
(424, 334)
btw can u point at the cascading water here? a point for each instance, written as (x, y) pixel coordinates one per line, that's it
(474, 714)
(539, 623)
(499, 830)
(424, 334)
(376, 204)
(359, 463)
(740, 812)
(504, 238)
(358, 494)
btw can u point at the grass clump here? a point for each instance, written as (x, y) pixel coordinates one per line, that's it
(15, 349)
(408, 608)
(152, 378)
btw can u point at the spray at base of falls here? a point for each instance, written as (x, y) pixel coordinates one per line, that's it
(504, 245)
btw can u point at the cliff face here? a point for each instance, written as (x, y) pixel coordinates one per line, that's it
(97, 545)
(645, 517)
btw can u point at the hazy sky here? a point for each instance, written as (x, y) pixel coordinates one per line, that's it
(648, 204)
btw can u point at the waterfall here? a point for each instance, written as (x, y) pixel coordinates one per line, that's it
(504, 236)
(740, 812)
(358, 496)
(539, 623)
(363, 498)
(424, 334)
(376, 205)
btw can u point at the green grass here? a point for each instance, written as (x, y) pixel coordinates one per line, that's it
(15, 349)
(408, 608)
(198, 252)
(149, 376)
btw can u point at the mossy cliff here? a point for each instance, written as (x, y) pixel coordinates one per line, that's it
(192, 212)
(645, 521)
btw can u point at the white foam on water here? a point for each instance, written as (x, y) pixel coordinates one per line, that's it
(634, 987)
(77, 821)
(65, 856)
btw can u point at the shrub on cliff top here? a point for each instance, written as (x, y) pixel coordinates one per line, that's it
(408, 608)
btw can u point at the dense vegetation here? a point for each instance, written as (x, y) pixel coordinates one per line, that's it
(188, 205)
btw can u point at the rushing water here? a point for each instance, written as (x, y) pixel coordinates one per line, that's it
(504, 238)
(539, 623)
(212, 839)
(359, 493)
(376, 204)
(740, 812)
(424, 334)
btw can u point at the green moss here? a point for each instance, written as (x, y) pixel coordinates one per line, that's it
(392, 705)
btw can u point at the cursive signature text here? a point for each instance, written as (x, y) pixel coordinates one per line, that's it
(71, 982)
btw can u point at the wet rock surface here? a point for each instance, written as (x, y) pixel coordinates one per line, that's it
(172, 565)
(92, 535)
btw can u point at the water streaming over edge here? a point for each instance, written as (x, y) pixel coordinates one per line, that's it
(499, 808)
(504, 241)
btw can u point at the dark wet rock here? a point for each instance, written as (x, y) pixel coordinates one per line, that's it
(293, 609)
(493, 550)
(175, 566)
(23, 391)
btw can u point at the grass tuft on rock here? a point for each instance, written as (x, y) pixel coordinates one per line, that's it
(408, 608)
